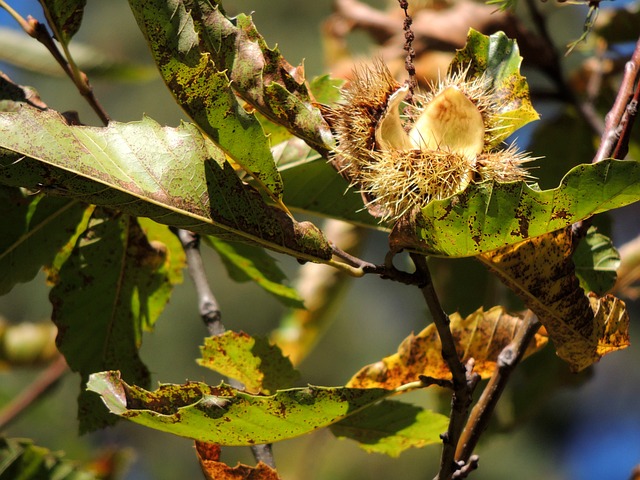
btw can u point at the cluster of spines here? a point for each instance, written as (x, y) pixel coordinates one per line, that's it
(394, 181)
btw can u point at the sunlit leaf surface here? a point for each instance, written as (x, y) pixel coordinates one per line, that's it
(481, 336)
(260, 367)
(172, 175)
(490, 215)
(227, 416)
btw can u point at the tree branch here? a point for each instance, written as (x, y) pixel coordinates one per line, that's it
(34, 391)
(619, 120)
(207, 303)
(509, 357)
(39, 32)
(464, 380)
(212, 317)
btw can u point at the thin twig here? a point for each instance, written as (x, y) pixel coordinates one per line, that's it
(466, 468)
(39, 31)
(351, 259)
(34, 391)
(212, 317)
(509, 357)
(464, 380)
(619, 120)
(408, 47)
(207, 303)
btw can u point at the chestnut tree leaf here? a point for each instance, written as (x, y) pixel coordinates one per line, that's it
(213, 469)
(481, 336)
(250, 263)
(541, 272)
(256, 363)
(21, 459)
(497, 58)
(227, 416)
(175, 176)
(490, 215)
(201, 86)
(112, 286)
(596, 261)
(36, 228)
(64, 17)
(391, 427)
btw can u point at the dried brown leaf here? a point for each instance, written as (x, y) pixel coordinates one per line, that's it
(481, 336)
(213, 469)
(541, 272)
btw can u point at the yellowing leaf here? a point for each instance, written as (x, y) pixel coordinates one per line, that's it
(611, 323)
(256, 363)
(481, 336)
(540, 270)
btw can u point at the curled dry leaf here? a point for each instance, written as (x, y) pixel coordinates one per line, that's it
(611, 323)
(540, 270)
(481, 336)
(213, 469)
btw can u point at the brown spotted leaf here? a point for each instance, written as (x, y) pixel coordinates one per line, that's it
(481, 336)
(227, 416)
(213, 469)
(259, 365)
(541, 272)
(176, 176)
(611, 323)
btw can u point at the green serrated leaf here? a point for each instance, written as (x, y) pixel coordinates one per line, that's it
(227, 416)
(391, 427)
(37, 227)
(490, 215)
(246, 263)
(173, 175)
(256, 363)
(20, 459)
(596, 261)
(325, 89)
(64, 17)
(201, 86)
(497, 57)
(111, 287)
